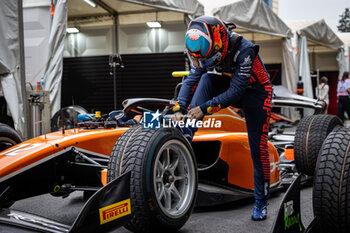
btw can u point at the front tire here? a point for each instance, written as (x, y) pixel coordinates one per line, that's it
(163, 177)
(331, 192)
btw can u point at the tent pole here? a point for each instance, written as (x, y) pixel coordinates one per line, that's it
(313, 59)
(115, 27)
(22, 69)
(187, 19)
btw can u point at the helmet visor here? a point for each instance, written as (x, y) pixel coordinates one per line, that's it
(198, 43)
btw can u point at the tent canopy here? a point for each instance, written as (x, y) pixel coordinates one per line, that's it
(259, 24)
(318, 33)
(134, 11)
(253, 16)
(191, 7)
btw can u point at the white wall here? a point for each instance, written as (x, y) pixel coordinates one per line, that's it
(137, 39)
(90, 41)
(142, 39)
(172, 38)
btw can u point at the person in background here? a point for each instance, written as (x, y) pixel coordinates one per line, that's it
(322, 91)
(343, 96)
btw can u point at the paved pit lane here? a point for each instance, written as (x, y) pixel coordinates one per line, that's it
(233, 217)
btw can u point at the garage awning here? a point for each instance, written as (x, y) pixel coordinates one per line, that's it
(133, 11)
(191, 7)
(254, 16)
(318, 36)
(258, 23)
(317, 32)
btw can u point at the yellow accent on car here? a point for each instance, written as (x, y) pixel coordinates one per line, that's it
(115, 211)
(56, 188)
(180, 74)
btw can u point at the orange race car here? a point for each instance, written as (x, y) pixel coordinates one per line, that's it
(146, 178)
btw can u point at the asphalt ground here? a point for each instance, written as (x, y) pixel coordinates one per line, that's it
(228, 218)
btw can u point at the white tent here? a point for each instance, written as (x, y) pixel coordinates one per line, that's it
(12, 63)
(317, 32)
(12, 55)
(11, 41)
(318, 36)
(259, 24)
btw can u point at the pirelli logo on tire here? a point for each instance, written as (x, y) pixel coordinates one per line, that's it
(115, 211)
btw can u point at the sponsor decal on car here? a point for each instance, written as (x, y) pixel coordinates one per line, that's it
(22, 147)
(152, 120)
(35, 221)
(115, 211)
(291, 218)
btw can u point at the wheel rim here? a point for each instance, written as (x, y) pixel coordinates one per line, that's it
(6, 143)
(174, 178)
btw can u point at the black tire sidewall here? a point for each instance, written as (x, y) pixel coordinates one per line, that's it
(10, 134)
(306, 160)
(333, 215)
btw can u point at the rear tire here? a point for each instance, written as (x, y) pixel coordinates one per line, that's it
(331, 192)
(8, 137)
(163, 181)
(309, 137)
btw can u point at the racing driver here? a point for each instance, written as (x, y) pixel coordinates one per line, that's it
(227, 71)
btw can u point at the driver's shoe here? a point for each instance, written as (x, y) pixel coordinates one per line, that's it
(260, 210)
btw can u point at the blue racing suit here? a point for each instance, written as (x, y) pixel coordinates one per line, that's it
(247, 87)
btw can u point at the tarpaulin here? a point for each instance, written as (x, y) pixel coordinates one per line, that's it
(318, 32)
(10, 63)
(191, 7)
(54, 68)
(253, 15)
